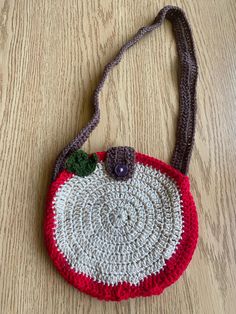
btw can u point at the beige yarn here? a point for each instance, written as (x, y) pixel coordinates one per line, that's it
(114, 231)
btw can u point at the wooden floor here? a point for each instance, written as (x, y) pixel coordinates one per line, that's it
(52, 54)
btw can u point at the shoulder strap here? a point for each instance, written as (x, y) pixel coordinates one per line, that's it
(187, 90)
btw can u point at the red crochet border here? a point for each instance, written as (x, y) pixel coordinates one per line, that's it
(151, 285)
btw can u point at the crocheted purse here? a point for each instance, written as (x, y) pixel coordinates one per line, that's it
(121, 224)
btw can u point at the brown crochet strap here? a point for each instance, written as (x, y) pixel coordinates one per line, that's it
(187, 90)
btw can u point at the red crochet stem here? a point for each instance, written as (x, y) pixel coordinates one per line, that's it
(151, 285)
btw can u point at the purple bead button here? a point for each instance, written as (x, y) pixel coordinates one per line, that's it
(121, 170)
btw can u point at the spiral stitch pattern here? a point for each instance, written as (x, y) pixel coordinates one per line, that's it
(116, 231)
(165, 260)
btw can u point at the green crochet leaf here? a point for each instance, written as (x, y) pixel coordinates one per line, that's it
(81, 164)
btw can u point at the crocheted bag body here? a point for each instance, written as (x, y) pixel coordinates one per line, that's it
(121, 224)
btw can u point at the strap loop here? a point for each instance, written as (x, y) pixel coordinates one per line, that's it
(187, 90)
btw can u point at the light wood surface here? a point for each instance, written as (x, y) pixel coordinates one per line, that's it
(52, 54)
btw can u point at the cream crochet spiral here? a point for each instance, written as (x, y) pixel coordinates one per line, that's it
(114, 231)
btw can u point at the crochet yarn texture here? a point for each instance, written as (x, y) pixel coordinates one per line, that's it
(114, 239)
(81, 163)
(121, 224)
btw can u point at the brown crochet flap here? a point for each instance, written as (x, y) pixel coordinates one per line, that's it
(120, 162)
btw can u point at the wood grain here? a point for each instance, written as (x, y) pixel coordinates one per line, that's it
(52, 54)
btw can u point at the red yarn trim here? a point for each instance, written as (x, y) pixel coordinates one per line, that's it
(151, 285)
